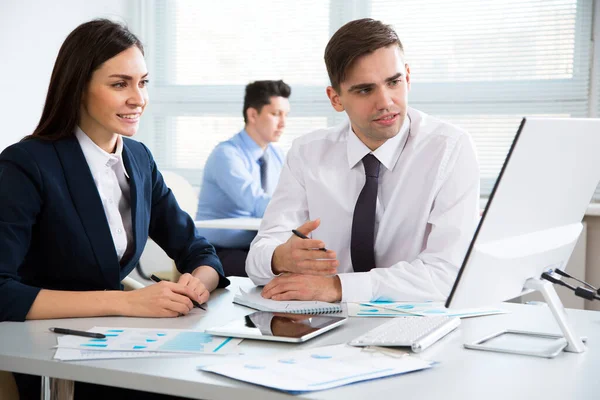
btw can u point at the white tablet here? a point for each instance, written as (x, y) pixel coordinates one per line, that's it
(279, 327)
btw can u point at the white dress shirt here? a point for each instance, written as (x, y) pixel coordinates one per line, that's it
(427, 207)
(112, 182)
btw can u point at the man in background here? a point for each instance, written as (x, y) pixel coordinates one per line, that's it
(241, 173)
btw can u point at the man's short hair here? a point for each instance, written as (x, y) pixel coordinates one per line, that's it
(259, 93)
(353, 40)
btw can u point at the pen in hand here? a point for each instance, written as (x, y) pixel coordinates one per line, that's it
(303, 236)
(66, 331)
(194, 302)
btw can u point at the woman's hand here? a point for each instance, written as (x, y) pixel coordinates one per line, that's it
(162, 299)
(196, 285)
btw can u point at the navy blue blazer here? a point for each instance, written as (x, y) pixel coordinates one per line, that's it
(53, 229)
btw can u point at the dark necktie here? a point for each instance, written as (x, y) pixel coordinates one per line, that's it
(264, 181)
(362, 241)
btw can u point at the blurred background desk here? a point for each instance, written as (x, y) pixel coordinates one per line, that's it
(249, 224)
(155, 261)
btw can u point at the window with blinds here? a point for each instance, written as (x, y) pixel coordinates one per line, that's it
(480, 65)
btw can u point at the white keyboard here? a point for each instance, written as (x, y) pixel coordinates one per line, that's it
(416, 332)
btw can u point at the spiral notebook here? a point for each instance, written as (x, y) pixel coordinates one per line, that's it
(253, 299)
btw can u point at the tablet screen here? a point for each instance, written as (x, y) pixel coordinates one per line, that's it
(278, 326)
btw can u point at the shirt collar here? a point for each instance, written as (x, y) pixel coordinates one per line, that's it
(252, 148)
(387, 154)
(97, 157)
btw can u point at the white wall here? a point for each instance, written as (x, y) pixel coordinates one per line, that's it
(31, 32)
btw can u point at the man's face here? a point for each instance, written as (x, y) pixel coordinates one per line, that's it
(374, 94)
(269, 123)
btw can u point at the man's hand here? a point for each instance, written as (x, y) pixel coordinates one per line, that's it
(302, 256)
(304, 287)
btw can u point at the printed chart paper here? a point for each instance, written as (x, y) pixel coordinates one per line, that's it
(151, 340)
(319, 368)
(432, 308)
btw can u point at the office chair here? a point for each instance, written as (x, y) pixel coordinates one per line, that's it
(187, 198)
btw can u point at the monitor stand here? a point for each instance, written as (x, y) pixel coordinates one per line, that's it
(535, 343)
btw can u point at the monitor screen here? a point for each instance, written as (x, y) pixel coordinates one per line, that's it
(532, 219)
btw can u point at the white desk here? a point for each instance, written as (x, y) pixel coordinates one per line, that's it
(461, 374)
(249, 224)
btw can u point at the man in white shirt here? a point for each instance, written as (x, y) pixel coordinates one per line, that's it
(390, 197)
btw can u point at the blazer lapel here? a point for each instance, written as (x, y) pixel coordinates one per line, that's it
(86, 199)
(136, 186)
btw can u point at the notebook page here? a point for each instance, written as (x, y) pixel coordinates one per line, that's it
(252, 298)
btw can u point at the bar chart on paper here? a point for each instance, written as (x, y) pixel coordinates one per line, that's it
(426, 309)
(318, 368)
(151, 340)
(368, 310)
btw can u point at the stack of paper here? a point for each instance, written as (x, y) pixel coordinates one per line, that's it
(68, 354)
(142, 342)
(368, 310)
(422, 309)
(319, 368)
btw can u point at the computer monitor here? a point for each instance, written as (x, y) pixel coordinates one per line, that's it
(532, 220)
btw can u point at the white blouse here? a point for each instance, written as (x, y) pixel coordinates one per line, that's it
(113, 187)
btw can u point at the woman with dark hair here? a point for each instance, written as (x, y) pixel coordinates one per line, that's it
(79, 199)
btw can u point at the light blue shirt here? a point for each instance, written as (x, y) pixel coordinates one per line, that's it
(231, 187)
